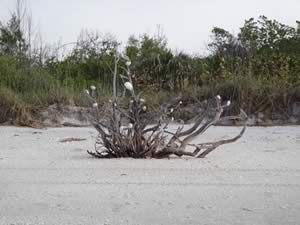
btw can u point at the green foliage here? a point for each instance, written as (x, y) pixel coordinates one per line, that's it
(259, 67)
(12, 41)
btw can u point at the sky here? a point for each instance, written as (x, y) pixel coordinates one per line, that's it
(187, 24)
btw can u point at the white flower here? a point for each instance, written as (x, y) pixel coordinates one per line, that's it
(87, 91)
(95, 105)
(131, 101)
(180, 103)
(128, 86)
(128, 63)
(110, 101)
(108, 52)
(142, 100)
(171, 110)
(93, 88)
(144, 108)
(228, 103)
(172, 118)
(219, 97)
(130, 126)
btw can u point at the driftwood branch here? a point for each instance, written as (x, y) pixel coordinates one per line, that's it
(126, 132)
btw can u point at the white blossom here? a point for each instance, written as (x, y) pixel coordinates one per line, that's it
(142, 100)
(144, 108)
(95, 105)
(93, 88)
(172, 118)
(87, 91)
(128, 86)
(130, 126)
(180, 103)
(128, 63)
(219, 97)
(228, 103)
(108, 52)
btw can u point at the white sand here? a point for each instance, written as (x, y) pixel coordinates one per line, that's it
(254, 181)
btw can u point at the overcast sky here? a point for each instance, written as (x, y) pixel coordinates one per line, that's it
(186, 23)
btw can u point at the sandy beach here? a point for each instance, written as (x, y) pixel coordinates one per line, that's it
(46, 180)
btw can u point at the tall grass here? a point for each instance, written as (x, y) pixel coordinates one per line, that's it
(255, 86)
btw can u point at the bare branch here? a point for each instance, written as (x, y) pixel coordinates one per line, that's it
(126, 132)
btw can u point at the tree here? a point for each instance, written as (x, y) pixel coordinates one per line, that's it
(12, 40)
(264, 34)
(91, 53)
(256, 36)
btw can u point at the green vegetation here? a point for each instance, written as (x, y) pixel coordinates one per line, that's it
(259, 68)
